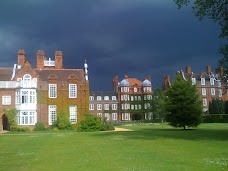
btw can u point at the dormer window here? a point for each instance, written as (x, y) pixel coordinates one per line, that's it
(135, 89)
(202, 81)
(106, 98)
(193, 81)
(98, 97)
(27, 80)
(212, 81)
(91, 98)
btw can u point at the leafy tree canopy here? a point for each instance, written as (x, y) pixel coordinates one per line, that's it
(182, 104)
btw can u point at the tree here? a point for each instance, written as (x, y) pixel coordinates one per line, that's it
(182, 104)
(217, 11)
(11, 115)
(157, 103)
(217, 106)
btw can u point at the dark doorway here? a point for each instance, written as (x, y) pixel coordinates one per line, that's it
(136, 117)
(5, 123)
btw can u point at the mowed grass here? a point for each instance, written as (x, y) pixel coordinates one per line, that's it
(152, 147)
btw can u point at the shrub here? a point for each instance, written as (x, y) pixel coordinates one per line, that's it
(90, 123)
(215, 118)
(107, 125)
(11, 115)
(62, 122)
(40, 126)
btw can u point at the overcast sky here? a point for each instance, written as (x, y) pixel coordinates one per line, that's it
(117, 37)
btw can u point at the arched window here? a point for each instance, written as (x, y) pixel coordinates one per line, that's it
(27, 80)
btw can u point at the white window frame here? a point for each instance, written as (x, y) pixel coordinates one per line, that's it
(114, 106)
(52, 91)
(99, 106)
(106, 97)
(98, 97)
(26, 117)
(135, 89)
(6, 100)
(91, 106)
(52, 114)
(73, 114)
(193, 81)
(91, 98)
(99, 115)
(114, 116)
(219, 84)
(204, 92)
(202, 81)
(113, 97)
(220, 92)
(212, 81)
(106, 106)
(212, 91)
(72, 90)
(204, 102)
(107, 115)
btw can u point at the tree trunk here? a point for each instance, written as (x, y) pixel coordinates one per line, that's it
(184, 127)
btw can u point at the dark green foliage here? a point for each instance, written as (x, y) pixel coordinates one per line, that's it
(11, 115)
(215, 118)
(226, 107)
(62, 122)
(157, 103)
(90, 123)
(216, 106)
(40, 126)
(182, 104)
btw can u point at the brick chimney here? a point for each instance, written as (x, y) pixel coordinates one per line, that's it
(125, 76)
(115, 84)
(209, 70)
(40, 57)
(188, 70)
(148, 78)
(58, 60)
(21, 57)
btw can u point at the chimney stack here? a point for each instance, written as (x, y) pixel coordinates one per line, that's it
(188, 70)
(40, 57)
(58, 60)
(21, 57)
(209, 70)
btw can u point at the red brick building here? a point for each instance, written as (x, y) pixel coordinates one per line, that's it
(207, 83)
(133, 98)
(40, 93)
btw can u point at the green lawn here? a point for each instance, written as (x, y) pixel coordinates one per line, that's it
(152, 147)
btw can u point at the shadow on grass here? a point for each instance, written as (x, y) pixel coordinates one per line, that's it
(171, 133)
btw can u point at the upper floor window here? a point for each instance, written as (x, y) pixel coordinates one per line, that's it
(204, 91)
(135, 89)
(99, 106)
(98, 97)
(219, 84)
(139, 98)
(106, 106)
(126, 89)
(202, 81)
(72, 90)
(212, 91)
(114, 106)
(220, 93)
(91, 98)
(147, 89)
(113, 97)
(212, 81)
(27, 80)
(193, 81)
(91, 106)
(52, 91)
(106, 98)
(6, 100)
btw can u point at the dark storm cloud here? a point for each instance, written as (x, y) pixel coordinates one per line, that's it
(134, 37)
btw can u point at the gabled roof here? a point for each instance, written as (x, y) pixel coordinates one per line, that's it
(133, 81)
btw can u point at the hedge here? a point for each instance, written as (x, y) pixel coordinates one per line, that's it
(215, 118)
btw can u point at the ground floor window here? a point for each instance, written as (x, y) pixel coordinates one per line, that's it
(107, 116)
(26, 117)
(125, 116)
(114, 116)
(73, 114)
(52, 114)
